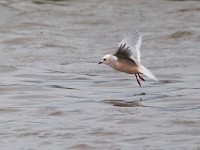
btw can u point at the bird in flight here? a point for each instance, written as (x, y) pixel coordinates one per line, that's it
(127, 57)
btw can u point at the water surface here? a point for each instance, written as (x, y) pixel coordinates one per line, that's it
(55, 96)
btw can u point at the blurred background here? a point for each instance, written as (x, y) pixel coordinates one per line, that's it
(54, 95)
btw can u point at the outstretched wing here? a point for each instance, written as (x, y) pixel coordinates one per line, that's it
(132, 43)
(124, 53)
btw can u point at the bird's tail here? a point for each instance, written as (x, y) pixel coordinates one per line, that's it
(146, 72)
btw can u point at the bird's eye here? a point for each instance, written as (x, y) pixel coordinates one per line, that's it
(104, 59)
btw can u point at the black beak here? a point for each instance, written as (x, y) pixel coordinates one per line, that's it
(100, 62)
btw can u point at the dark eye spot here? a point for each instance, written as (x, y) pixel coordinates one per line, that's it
(104, 59)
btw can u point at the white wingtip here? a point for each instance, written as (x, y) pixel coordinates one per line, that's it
(147, 72)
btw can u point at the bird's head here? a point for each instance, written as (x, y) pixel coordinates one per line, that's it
(106, 59)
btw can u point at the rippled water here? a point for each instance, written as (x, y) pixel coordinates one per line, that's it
(55, 96)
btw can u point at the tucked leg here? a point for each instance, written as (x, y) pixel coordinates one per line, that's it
(137, 80)
(141, 77)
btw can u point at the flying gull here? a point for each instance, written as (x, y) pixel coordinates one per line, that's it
(127, 57)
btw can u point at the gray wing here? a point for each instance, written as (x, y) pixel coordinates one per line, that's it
(124, 53)
(132, 42)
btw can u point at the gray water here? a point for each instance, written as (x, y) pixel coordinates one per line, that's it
(54, 95)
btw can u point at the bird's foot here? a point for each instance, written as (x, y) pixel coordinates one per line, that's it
(141, 77)
(137, 80)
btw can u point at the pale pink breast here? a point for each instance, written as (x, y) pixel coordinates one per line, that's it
(126, 67)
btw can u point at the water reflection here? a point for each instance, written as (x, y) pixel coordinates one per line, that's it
(123, 103)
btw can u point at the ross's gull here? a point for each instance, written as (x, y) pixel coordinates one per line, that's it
(127, 57)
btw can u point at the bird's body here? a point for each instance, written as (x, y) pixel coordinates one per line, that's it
(130, 67)
(127, 57)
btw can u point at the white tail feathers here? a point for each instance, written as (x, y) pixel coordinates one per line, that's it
(147, 72)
